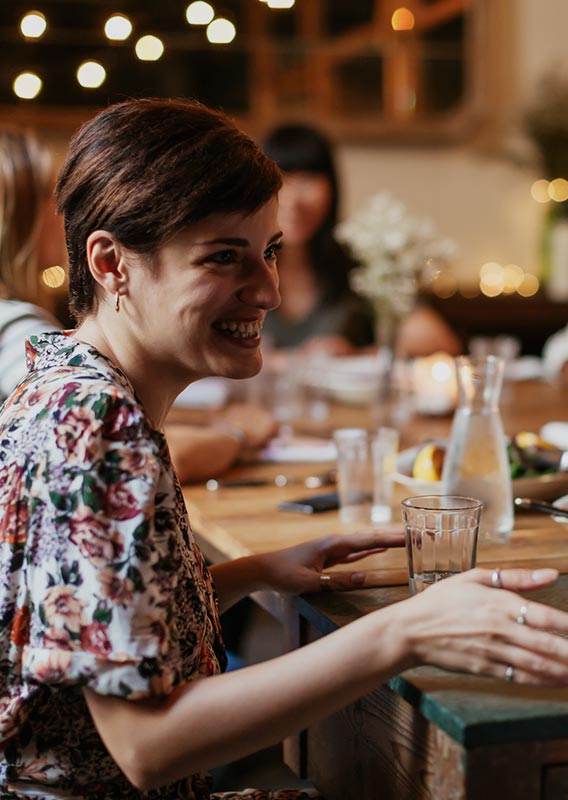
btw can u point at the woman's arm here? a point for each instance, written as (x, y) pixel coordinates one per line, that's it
(298, 569)
(462, 623)
(202, 452)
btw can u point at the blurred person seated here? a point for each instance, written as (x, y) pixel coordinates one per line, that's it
(31, 239)
(555, 355)
(319, 311)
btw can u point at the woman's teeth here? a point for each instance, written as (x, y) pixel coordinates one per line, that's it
(239, 330)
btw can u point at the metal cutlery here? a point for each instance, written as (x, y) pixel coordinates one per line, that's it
(310, 482)
(540, 505)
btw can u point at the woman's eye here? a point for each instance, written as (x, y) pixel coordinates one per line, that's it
(272, 252)
(224, 257)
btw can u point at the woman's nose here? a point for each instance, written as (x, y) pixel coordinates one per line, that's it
(261, 289)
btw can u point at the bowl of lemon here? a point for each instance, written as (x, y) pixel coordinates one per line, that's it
(533, 463)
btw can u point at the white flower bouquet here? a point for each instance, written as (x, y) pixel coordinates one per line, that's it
(396, 253)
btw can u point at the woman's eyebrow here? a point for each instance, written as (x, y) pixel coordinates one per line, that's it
(229, 240)
(236, 242)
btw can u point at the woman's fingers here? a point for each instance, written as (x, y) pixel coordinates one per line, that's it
(342, 581)
(358, 545)
(514, 579)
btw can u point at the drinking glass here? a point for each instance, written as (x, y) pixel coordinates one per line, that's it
(384, 450)
(441, 537)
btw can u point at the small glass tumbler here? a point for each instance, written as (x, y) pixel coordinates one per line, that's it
(384, 451)
(441, 537)
(353, 475)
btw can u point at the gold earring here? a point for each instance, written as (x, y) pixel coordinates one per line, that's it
(117, 303)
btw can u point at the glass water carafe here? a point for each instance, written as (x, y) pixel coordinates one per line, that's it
(476, 462)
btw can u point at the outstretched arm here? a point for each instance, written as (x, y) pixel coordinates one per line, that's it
(462, 623)
(298, 569)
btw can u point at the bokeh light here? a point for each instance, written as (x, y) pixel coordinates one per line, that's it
(118, 28)
(53, 277)
(199, 13)
(91, 74)
(221, 31)
(529, 286)
(539, 191)
(402, 19)
(33, 25)
(27, 85)
(149, 48)
(558, 190)
(512, 278)
(280, 3)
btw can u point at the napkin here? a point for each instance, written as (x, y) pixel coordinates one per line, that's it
(526, 368)
(298, 448)
(206, 393)
(556, 433)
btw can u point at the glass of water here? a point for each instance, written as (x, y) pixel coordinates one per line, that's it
(441, 537)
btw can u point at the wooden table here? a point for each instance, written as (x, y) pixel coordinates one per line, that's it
(428, 733)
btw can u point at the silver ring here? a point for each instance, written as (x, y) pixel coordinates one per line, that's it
(522, 618)
(325, 582)
(496, 579)
(509, 674)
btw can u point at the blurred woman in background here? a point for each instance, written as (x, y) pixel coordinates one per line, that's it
(31, 238)
(319, 310)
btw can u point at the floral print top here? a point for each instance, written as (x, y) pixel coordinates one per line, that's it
(101, 584)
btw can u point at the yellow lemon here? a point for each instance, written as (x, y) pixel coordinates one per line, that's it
(428, 463)
(526, 439)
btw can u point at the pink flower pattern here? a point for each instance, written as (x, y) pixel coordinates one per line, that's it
(101, 583)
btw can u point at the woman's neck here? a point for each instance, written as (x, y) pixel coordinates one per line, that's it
(151, 388)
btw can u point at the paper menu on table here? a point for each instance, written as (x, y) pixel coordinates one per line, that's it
(305, 449)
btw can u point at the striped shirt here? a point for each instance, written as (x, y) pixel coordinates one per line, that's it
(18, 321)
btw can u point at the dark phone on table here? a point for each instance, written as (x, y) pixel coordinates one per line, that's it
(312, 505)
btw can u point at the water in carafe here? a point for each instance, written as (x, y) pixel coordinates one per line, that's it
(476, 462)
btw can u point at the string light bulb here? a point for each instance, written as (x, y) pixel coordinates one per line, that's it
(280, 3)
(118, 28)
(91, 75)
(221, 31)
(149, 48)
(33, 25)
(27, 85)
(53, 277)
(402, 19)
(199, 13)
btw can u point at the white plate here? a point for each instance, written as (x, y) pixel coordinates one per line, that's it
(540, 487)
(354, 380)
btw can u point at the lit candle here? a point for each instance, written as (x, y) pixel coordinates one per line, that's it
(435, 384)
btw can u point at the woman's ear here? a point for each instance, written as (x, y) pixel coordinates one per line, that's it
(106, 261)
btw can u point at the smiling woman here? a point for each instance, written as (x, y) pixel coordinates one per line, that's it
(108, 614)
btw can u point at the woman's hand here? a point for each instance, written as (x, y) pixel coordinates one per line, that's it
(475, 622)
(256, 424)
(299, 569)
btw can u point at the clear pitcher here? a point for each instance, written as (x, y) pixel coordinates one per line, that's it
(476, 462)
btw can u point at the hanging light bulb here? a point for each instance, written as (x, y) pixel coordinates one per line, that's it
(27, 85)
(118, 28)
(279, 3)
(149, 48)
(199, 13)
(91, 74)
(33, 25)
(221, 31)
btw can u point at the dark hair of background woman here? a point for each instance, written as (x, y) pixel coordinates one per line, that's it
(301, 148)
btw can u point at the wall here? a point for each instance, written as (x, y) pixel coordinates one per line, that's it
(477, 195)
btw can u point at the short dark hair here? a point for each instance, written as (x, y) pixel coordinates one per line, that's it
(146, 169)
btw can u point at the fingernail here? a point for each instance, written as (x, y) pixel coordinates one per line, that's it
(544, 574)
(358, 578)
